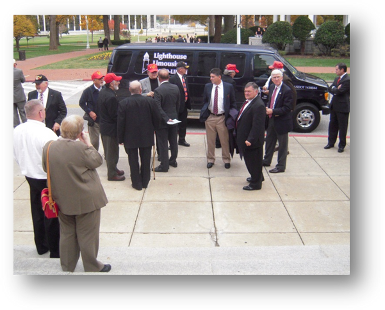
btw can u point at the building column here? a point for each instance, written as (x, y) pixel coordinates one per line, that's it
(44, 29)
(275, 18)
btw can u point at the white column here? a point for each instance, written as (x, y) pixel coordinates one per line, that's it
(74, 22)
(282, 18)
(238, 29)
(129, 22)
(141, 21)
(38, 23)
(80, 20)
(148, 21)
(123, 19)
(275, 18)
(135, 23)
(44, 29)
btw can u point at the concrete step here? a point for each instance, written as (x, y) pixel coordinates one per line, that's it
(269, 260)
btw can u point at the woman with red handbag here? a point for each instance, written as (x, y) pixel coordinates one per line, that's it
(77, 190)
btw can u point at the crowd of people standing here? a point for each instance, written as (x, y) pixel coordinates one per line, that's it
(158, 104)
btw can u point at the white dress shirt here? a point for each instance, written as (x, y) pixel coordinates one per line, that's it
(29, 139)
(221, 106)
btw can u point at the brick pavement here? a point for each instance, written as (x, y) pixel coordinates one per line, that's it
(29, 67)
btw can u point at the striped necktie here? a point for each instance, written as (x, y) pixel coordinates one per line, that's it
(215, 109)
(185, 89)
(273, 99)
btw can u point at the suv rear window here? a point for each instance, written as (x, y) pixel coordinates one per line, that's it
(239, 59)
(121, 61)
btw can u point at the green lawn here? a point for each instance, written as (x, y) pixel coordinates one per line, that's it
(311, 61)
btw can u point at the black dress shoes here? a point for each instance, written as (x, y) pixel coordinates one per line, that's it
(227, 165)
(174, 164)
(184, 143)
(117, 178)
(160, 169)
(328, 146)
(249, 188)
(340, 149)
(209, 165)
(276, 170)
(106, 268)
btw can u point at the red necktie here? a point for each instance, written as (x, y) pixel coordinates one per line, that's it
(215, 109)
(185, 89)
(240, 113)
(339, 79)
(272, 100)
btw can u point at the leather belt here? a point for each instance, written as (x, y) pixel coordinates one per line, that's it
(218, 114)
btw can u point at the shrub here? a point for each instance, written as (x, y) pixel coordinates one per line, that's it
(302, 28)
(328, 36)
(347, 33)
(231, 36)
(278, 34)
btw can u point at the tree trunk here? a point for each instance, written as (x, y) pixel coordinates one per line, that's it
(218, 28)
(211, 25)
(116, 27)
(52, 34)
(106, 28)
(228, 23)
(57, 33)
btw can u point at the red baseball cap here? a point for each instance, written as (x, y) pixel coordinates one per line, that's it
(152, 68)
(276, 65)
(232, 67)
(111, 77)
(96, 75)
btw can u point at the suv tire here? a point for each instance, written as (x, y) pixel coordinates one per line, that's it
(306, 117)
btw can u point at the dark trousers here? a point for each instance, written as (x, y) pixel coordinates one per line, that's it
(253, 160)
(111, 153)
(140, 175)
(271, 139)
(165, 136)
(338, 123)
(182, 126)
(46, 231)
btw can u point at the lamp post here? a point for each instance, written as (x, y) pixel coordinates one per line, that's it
(88, 43)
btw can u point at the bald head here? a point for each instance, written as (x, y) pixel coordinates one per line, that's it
(135, 88)
(163, 75)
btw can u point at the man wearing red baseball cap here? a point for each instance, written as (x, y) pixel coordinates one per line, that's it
(151, 82)
(88, 102)
(108, 112)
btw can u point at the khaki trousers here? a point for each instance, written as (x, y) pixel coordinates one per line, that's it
(94, 132)
(216, 124)
(79, 234)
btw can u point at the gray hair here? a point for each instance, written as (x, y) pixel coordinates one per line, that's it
(277, 72)
(71, 126)
(30, 107)
(227, 72)
(253, 85)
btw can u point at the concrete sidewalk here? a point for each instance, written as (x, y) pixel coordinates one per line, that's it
(194, 220)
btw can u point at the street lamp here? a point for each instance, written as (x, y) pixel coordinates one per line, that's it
(88, 43)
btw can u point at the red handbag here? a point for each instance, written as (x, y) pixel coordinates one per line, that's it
(50, 207)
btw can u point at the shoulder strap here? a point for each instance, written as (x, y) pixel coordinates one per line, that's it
(48, 175)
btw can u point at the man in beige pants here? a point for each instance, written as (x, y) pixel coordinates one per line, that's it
(218, 99)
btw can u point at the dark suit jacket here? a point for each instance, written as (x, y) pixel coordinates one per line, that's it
(341, 97)
(228, 98)
(138, 117)
(282, 114)
(108, 112)
(251, 125)
(167, 100)
(55, 110)
(174, 79)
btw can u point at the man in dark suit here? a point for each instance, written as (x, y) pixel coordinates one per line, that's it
(108, 113)
(167, 100)
(218, 99)
(339, 108)
(179, 79)
(280, 104)
(138, 118)
(250, 129)
(55, 108)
